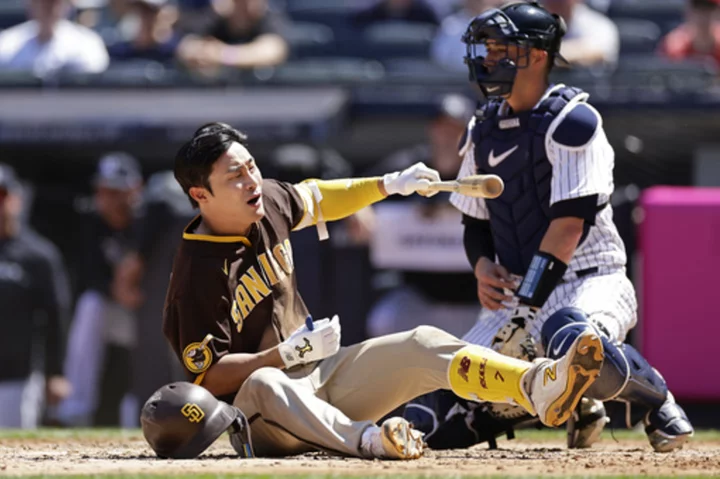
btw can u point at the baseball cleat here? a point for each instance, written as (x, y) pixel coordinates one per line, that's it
(395, 439)
(586, 424)
(556, 387)
(668, 427)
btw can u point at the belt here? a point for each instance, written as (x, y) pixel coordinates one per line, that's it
(581, 274)
(585, 272)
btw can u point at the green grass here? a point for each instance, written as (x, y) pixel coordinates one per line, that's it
(553, 434)
(320, 476)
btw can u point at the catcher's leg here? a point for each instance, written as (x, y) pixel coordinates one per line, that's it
(450, 422)
(626, 376)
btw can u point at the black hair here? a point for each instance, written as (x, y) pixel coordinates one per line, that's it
(195, 159)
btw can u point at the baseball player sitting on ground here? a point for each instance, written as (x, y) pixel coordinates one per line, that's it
(236, 321)
(548, 259)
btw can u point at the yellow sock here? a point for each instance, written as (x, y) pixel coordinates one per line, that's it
(481, 374)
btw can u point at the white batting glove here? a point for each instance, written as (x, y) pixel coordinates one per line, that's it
(307, 346)
(415, 179)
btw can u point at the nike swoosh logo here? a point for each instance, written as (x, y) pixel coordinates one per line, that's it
(493, 160)
(491, 89)
(556, 350)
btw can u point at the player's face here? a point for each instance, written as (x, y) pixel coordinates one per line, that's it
(236, 185)
(10, 206)
(534, 71)
(47, 11)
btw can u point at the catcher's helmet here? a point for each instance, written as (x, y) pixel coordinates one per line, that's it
(525, 24)
(181, 420)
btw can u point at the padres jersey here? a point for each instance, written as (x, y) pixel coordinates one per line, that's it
(236, 294)
(578, 166)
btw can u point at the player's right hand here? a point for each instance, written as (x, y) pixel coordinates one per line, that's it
(415, 179)
(307, 346)
(492, 278)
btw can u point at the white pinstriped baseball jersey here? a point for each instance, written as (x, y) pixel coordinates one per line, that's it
(577, 172)
(606, 296)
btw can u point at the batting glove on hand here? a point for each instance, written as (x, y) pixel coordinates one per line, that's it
(415, 179)
(307, 345)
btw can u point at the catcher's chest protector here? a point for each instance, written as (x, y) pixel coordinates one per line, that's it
(513, 147)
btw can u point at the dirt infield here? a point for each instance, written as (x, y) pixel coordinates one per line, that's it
(521, 457)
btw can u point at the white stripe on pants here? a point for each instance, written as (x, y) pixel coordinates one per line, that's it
(22, 402)
(607, 299)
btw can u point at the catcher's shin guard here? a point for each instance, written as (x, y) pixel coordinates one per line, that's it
(626, 376)
(450, 422)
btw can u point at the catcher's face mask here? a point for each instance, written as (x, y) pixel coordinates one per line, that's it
(495, 51)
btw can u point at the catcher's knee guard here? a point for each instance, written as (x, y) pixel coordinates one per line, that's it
(625, 375)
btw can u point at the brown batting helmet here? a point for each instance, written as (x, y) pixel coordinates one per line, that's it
(181, 420)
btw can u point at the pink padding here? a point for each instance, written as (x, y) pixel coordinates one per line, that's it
(679, 239)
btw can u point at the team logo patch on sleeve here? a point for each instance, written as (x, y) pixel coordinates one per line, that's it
(197, 357)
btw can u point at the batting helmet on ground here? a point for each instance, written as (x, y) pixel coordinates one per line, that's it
(181, 420)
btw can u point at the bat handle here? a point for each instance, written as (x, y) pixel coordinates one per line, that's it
(443, 186)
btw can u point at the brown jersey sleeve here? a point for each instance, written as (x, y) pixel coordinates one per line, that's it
(197, 318)
(284, 198)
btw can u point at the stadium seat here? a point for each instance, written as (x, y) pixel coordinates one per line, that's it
(12, 12)
(643, 74)
(657, 10)
(330, 12)
(637, 35)
(330, 70)
(309, 39)
(416, 71)
(397, 39)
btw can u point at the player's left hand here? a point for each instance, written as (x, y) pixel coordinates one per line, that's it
(311, 342)
(415, 179)
(57, 389)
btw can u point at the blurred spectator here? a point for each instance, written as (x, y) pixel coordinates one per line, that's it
(425, 241)
(447, 48)
(248, 35)
(35, 300)
(417, 11)
(698, 36)
(107, 17)
(592, 39)
(49, 43)
(146, 268)
(155, 38)
(103, 333)
(443, 8)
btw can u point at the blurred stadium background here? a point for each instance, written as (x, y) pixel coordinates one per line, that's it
(94, 92)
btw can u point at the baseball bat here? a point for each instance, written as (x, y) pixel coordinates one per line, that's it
(477, 186)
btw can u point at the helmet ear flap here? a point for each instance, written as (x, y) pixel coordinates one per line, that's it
(561, 25)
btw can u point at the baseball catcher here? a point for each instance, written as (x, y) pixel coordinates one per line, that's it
(549, 262)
